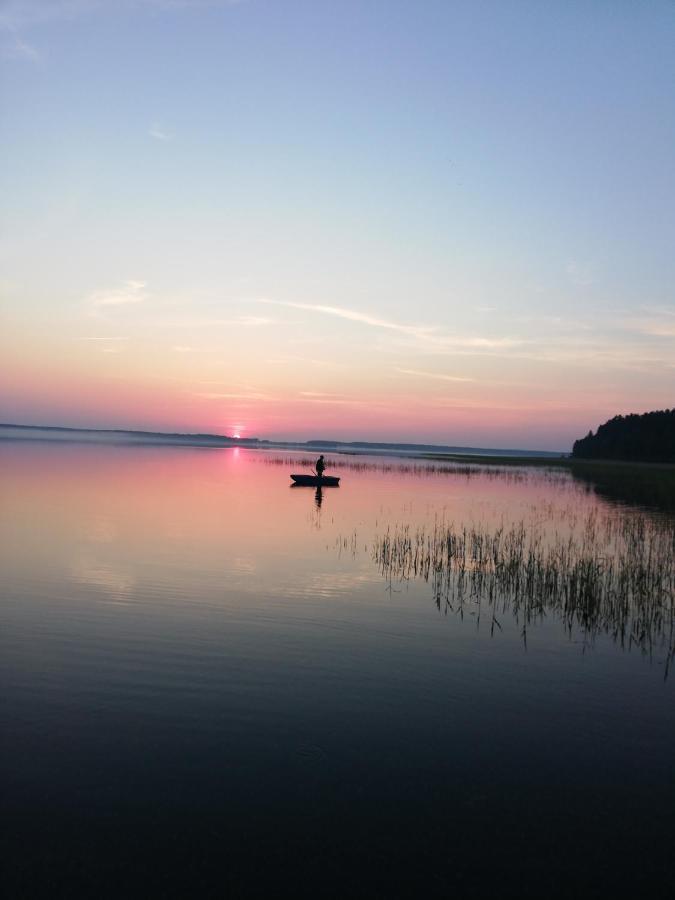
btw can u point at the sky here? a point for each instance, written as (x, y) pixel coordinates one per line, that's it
(449, 222)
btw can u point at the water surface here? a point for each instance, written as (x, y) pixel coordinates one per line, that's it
(209, 688)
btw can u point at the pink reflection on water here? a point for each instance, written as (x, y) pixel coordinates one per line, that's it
(122, 518)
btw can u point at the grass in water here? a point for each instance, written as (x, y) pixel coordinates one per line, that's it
(612, 575)
(420, 468)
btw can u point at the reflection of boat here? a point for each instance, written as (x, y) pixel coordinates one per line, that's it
(315, 481)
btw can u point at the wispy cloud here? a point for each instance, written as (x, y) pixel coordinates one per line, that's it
(16, 47)
(305, 361)
(430, 337)
(550, 341)
(435, 375)
(245, 321)
(321, 394)
(659, 329)
(352, 316)
(487, 343)
(128, 293)
(28, 13)
(19, 16)
(217, 395)
(253, 321)
(158, 133)
(653, 322)
(334, 401)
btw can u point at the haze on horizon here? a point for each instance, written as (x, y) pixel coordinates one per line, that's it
(448, 222)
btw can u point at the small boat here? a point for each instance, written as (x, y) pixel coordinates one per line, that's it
(316, 481)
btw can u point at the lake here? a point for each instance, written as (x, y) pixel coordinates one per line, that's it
(216, 684)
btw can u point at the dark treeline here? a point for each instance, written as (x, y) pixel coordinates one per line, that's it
(649, 437)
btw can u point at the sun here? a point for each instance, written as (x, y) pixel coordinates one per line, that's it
(237, 437)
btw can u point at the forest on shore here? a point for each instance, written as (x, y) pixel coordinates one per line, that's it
(649, 437)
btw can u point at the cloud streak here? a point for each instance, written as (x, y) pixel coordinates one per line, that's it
(129, 293)
(28, 13)
(158, 133)
(217, 395)
(435, 375)
(19, 16)
(426, 336)
(556, 342)
(352, 315)
(655, 322)
(17, 48)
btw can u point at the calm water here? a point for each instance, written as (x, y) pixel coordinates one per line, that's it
(209, 689)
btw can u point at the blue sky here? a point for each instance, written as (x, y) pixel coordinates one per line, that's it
(431, 217)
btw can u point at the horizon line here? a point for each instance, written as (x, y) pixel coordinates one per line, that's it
(296, 442)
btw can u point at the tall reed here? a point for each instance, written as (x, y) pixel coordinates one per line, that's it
(608, 574)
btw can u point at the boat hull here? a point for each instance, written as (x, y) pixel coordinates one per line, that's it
(315, 481)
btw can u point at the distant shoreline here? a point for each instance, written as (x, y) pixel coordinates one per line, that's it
(11, 431)
(438, 453)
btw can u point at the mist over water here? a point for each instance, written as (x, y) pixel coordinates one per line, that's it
(210, 684)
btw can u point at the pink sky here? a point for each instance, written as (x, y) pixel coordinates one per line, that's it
(189, 391)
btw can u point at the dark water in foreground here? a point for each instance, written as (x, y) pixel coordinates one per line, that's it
(208, 689)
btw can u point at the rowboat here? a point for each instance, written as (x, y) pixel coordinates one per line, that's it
(315, 481)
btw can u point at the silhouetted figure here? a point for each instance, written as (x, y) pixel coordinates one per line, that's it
(320, 466)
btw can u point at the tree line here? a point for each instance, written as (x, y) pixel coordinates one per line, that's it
(649, 437)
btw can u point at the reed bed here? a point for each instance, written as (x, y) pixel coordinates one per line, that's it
(609, 574)
(419, 468)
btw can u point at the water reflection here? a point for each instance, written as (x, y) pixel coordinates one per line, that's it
(648, 486)
(645, 486)
(318, 501)
(192, 670)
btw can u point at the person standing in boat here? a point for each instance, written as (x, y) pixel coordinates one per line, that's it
(320, 466)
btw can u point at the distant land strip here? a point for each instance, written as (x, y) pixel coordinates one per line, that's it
(11, 431)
